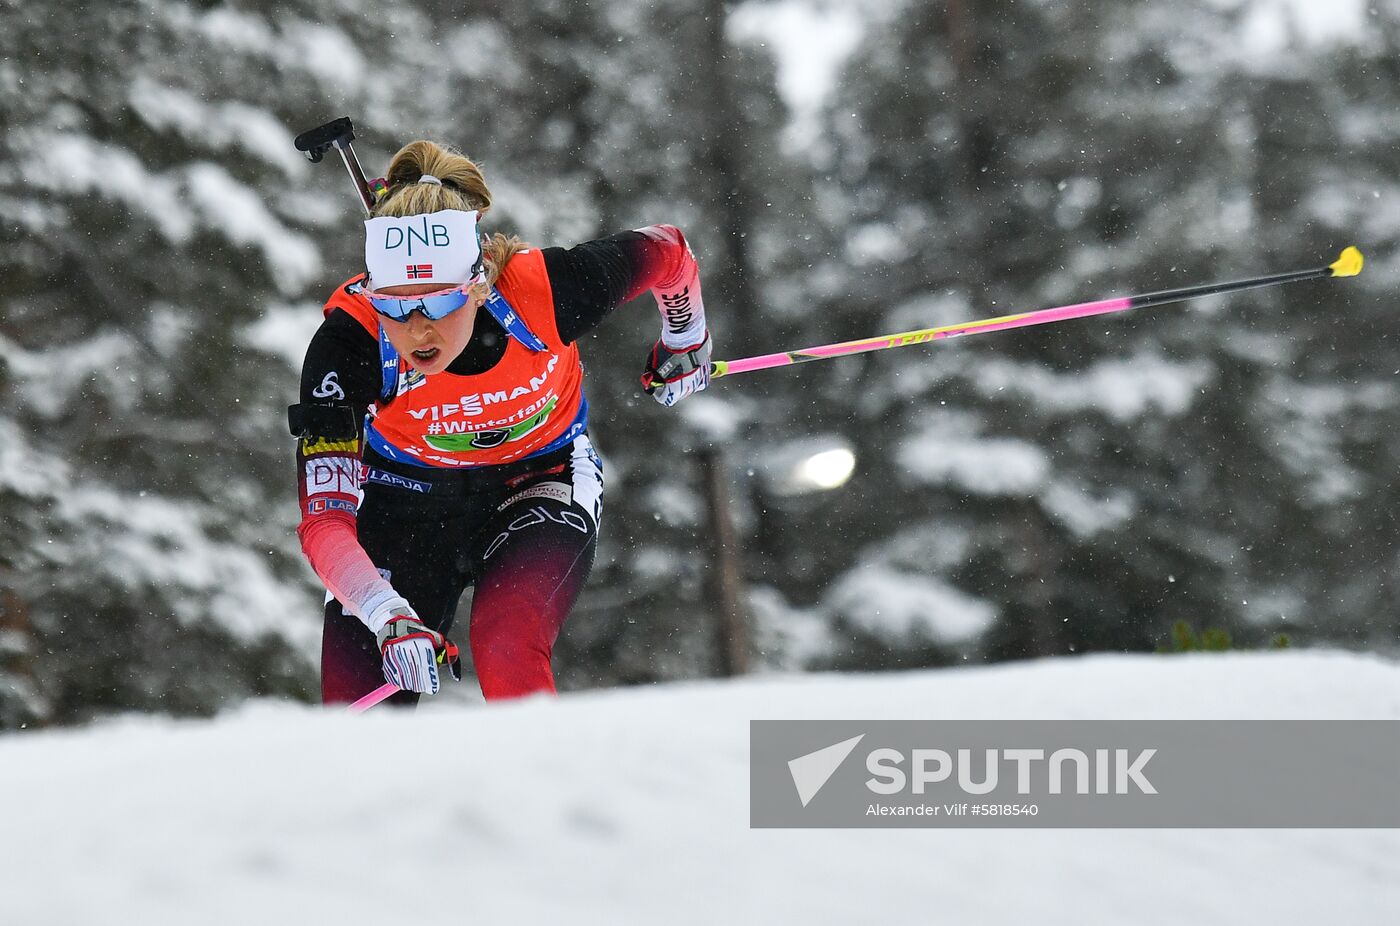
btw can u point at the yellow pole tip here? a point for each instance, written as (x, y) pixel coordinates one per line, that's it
(1349, 264)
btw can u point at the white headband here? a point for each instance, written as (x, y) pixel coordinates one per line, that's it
(439, 248)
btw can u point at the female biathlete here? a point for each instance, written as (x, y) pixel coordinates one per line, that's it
(444, 431)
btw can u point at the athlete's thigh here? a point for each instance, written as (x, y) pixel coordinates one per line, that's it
(537, 544)
(421, 546)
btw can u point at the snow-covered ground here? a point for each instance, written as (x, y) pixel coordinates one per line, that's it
(631, 806)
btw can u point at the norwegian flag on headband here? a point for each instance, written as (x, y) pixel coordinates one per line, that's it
(441, 247)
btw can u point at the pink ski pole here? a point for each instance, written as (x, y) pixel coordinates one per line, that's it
(373, 698)
(448, 655)
(1348, 265)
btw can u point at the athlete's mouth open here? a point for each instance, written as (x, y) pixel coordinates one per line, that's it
(426, 354)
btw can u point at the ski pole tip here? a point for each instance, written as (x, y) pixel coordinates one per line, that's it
(1349, 264)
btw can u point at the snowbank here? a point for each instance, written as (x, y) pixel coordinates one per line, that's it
(631, 806)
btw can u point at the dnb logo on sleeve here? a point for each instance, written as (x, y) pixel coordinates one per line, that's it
(333, 475)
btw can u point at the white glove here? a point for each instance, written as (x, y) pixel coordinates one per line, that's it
(412, 652)
(671, 374)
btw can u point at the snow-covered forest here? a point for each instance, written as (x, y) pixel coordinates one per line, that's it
(842, 168)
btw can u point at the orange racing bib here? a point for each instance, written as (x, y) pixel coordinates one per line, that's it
(530, 402)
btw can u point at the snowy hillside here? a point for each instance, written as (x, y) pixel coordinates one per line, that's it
(631, 806)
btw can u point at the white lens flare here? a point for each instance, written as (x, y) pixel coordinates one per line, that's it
(826, 470)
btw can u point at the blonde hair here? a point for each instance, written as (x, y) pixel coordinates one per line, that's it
(463, 187)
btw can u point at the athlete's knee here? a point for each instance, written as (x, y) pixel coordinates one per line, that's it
(512, 665)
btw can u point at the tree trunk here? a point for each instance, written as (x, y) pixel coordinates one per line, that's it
(727, 573)
(727, 186)
(17, 654)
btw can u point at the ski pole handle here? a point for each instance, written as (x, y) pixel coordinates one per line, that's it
(339, 134)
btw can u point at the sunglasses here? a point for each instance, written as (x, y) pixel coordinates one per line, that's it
(435, 305)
